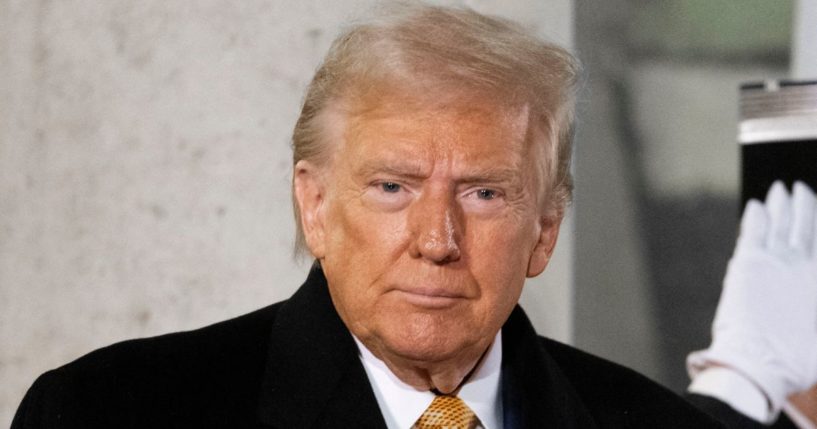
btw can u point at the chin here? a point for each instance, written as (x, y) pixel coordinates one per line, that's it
(421, 355)
(426, 343)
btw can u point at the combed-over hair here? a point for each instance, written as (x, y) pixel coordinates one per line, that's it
(444, 55)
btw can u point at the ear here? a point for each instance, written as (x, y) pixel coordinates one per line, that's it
(310, 193)
(540, 256)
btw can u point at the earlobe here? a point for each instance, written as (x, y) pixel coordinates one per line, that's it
(309, 194)
(540, 256)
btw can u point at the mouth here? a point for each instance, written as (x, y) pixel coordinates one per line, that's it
(431, 298)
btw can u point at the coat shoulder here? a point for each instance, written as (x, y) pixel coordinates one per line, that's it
(238, 343)
(217, 368)
(612, 391)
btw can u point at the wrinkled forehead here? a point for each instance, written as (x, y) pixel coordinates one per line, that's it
(436, 112)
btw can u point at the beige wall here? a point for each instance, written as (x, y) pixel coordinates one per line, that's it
(144, 167)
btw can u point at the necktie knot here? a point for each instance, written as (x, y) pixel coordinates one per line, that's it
(447, 412)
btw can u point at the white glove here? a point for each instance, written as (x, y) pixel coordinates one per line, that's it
(766, 323)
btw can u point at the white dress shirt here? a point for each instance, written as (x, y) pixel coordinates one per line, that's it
(401, 404)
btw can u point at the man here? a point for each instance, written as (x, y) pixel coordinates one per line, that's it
(431, 173)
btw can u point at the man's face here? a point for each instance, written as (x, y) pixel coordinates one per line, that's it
(426, 224)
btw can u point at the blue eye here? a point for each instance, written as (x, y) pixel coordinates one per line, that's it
(390, 187)
(486, 194)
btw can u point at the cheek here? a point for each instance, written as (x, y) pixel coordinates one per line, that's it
(499, 258)
(361, 248)
(361, 234)
(508, 241)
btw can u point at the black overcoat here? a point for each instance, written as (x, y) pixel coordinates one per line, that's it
(295, 365)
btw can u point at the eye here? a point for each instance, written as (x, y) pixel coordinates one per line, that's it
(483, 201)
(388, 196)
(486, 194)
(390, 187)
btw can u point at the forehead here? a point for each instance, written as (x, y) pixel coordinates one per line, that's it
(399, 128)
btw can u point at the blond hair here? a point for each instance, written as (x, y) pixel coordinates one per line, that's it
(447, 54)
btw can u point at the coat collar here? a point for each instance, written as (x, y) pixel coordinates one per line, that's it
(313, 372)
(314, 375)
(535, 391)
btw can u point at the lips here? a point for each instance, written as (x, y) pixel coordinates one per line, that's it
(432, 298)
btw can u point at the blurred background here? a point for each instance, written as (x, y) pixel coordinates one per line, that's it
(658, 168)
(145, 164)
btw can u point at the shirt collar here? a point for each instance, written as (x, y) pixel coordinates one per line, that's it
(401, 404)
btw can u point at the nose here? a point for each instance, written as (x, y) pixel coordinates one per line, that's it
(436, 228)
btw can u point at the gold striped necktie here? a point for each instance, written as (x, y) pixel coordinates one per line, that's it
(447, 412)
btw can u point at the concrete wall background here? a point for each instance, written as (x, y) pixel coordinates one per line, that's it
(144, 167)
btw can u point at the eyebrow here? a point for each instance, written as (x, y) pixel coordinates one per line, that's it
(384, 166)
(415, 171)
(490, 175)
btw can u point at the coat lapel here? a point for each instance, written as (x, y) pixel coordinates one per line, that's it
(535, 392)
(314, 377)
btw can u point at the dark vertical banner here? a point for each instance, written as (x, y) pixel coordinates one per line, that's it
(778, 135)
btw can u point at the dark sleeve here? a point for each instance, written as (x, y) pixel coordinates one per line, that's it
(731, 418)
(57, 401)
(31, 410)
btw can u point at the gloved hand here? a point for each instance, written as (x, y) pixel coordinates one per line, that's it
(766, 323)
